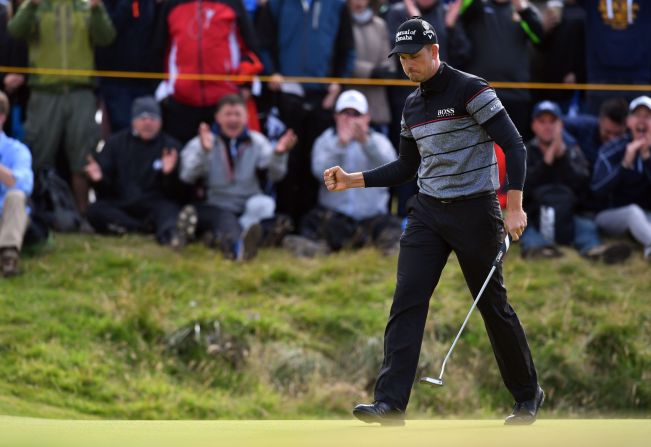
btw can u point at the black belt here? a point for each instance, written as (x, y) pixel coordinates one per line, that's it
(461, 198)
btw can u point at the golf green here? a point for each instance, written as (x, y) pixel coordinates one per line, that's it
(20, 432)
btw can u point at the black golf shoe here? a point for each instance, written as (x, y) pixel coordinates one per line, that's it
(524, 413)
(379, 412)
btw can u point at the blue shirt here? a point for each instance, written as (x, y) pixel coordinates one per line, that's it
(16, 157)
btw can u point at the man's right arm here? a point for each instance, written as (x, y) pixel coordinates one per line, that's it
(24, 22)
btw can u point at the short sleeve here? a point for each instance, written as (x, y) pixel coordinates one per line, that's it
(405, 131)
(482, 102)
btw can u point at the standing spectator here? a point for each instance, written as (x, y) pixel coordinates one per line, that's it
(593, 132)
(557, 179)
(16, 182)
(454, 48)
(204, 37)
(228, 157)
(61, 111)
(306, 38)
(357, 217)
(617, 36)
(13, 53)
(500, 32)
(561, 55)
(135, 177)
(622, 174)
(371, 49)
(134, 21)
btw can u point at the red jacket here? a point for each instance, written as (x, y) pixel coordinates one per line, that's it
(501, 167)
(206, 37)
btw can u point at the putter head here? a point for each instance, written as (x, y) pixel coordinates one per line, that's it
(431, 381)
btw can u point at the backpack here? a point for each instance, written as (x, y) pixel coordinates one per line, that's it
(54, 203)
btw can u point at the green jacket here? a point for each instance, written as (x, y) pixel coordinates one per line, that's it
(61, 34)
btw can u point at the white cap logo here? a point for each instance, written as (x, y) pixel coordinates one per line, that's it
(428, 32)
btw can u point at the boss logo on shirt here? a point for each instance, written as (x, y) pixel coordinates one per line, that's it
(442, 113)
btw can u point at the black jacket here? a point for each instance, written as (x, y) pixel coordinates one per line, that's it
(571, 170)
(500, 45)
(131, 169)
(131, 49)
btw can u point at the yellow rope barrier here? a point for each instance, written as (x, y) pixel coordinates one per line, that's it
(309, 80)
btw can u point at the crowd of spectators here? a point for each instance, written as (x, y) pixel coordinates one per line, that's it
(237, 164)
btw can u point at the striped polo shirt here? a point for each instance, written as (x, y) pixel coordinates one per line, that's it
(444, 115)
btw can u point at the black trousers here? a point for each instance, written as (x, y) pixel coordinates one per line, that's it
(222, 224)
(143, 216)
(474, 230)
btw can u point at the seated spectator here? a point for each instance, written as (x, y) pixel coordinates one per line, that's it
(622, 174)
(135, 178)
(16, 182)
(591, 132)
(61, 108)
(357, 217)
(228, 157)
(557, 177)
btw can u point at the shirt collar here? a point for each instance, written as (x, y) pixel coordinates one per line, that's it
(438, 82)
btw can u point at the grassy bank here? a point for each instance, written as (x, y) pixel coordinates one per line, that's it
(122, 328)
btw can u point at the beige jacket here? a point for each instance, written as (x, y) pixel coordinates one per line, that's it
(371, 50)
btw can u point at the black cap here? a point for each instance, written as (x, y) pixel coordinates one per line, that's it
(412, 35)
(145, 106)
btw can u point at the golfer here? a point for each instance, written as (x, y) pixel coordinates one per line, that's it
(449, 125)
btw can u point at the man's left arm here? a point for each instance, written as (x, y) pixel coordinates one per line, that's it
(102, 31)
(485, 107)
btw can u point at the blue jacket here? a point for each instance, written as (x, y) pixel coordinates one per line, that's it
(585, 129)
(620, 185)
(15, 156)
(617, 44)
(307, 38)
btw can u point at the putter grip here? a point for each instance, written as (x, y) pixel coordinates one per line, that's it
(503, 249)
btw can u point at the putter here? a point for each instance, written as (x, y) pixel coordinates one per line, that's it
(498, 260)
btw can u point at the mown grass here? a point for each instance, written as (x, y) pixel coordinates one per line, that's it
(122, 328)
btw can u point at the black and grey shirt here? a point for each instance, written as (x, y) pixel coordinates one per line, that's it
(449, 125)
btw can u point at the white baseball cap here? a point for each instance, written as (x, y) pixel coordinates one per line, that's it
(352, 99)
(640, 101)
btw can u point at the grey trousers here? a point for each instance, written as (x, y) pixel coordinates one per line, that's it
(630, 218)
(13, 220)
